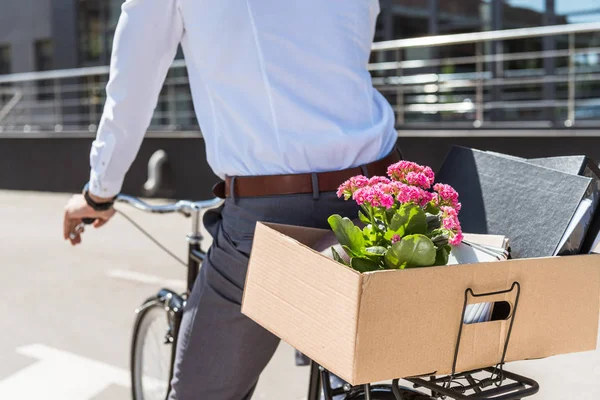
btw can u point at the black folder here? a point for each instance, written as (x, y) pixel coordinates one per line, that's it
(530, 204)
(583, 238)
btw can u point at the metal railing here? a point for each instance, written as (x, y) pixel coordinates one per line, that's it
(522, 78)
(546, 77)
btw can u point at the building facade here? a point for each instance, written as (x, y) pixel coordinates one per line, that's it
(42, 35)
(45, 34)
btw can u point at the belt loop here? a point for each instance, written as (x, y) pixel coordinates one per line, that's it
(315, 185)
(365, 170)
(232, 189)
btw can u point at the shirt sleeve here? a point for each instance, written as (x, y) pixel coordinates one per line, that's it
(145, 44)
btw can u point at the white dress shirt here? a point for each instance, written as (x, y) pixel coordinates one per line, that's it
(278, 86)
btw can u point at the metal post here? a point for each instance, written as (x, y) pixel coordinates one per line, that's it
(57, 108)
(91, 100)
(434, 10)
(399, 90)
(367, 392)
(571, 101)
(314, 382)
(549, 64)
(479, 90)
(171, 104)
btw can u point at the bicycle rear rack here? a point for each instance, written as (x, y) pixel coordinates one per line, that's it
(495, 387)
(498, 385)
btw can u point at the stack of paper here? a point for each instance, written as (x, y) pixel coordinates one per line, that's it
(479, 248)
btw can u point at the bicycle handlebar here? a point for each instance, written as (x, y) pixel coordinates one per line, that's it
(182, 206)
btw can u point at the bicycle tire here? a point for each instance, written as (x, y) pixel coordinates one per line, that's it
(150, 312)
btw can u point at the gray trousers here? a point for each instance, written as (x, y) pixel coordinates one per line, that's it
(221, 352)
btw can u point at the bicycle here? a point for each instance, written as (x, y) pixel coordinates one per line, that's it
(165, 308)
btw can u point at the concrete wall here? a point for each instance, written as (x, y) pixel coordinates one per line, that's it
(61, 164)
(22, 22)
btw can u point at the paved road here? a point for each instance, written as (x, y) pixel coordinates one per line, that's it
(67, 312)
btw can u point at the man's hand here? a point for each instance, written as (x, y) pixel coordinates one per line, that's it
(77, 209)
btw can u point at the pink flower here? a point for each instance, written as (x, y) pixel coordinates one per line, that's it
(348, 188)
(411, 194)
(418, 179)
(412, 174)
(456, 239)
(429, 174)
(447, 196)
(378, 179)
(451, 224)
(387, 201)
(360, 195)
(396, 238)
(379, 195)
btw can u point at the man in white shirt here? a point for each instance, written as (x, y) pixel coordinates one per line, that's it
(288, 112)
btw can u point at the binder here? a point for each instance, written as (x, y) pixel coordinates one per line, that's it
(530, 204)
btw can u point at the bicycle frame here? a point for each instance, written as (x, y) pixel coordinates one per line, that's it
(195, 254)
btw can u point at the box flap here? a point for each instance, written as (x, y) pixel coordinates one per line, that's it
(421, 309)
(305, 235)
(305, 298)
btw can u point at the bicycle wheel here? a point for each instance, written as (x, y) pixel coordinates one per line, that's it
(152, 351)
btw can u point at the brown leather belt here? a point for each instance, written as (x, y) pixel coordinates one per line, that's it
(271, 185)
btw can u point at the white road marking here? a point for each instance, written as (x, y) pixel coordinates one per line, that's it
(141, 277)
(61, 375)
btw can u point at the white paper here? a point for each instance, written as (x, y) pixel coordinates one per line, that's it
(468, 254)
(583, 210)
(595, 248)
(465, 254)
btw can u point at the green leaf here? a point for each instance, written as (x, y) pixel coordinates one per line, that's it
(363, 218)
(440, 240)
(364, 265)
(433, 221)
(431, 209)
(441, 257)
(377, 250)
(411, 251)
(408, 220)
(337, 257)
(370, 235)
(389, 214)
(347, 233)
(349, 251)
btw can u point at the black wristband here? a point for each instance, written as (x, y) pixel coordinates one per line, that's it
(105, 206)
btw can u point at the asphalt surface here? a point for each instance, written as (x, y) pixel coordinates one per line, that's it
(67, 313)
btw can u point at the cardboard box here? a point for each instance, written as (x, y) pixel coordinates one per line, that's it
(393, 324)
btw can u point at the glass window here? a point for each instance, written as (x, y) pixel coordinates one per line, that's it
(577, 11)
(5, 59)
(91, 32)
(461, 16)
(5, 68)
(410, 18)
(44, 61)
(523, 13)
(97, 23)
